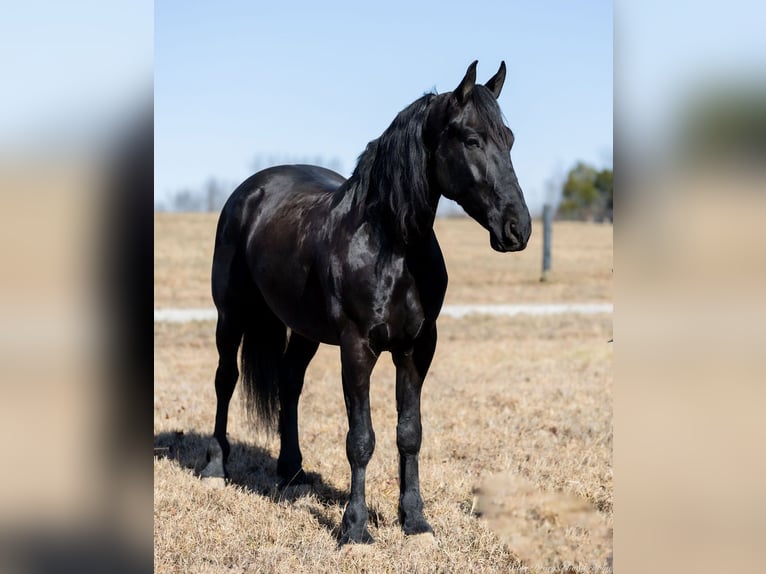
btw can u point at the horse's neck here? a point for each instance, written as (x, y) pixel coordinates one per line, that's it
(354, 213)
(427, 220)
(361, 199)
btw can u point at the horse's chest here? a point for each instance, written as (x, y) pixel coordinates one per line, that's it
(396, 312)
(377, 293)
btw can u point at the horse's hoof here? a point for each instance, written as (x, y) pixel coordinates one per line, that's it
(214, 468)
(299, 478)
(352, 538)
(417, 526)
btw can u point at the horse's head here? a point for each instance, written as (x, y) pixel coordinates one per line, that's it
(471, 161)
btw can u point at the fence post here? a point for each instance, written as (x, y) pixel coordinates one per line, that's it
(547, 225)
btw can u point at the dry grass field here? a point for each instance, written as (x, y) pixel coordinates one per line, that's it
(516, 465)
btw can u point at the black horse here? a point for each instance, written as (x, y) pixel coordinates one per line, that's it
(304, 256)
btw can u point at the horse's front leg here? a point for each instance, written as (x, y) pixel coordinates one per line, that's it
(411, 368)
(357, 362)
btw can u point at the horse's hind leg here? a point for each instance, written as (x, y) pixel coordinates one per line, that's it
(292, 371)
(228, 335)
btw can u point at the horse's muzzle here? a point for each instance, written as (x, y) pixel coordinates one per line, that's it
(514, 237)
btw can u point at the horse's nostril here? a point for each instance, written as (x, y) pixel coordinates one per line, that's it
(510, 228)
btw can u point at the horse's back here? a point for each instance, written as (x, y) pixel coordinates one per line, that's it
(290, 180)
(271, 189)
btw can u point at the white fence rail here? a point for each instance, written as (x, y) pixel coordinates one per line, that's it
(458, 311)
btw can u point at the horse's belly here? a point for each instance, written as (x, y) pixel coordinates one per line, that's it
(298, 302)
(308, 322)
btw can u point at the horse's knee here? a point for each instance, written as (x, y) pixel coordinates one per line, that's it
(409, 436)
(360, 445)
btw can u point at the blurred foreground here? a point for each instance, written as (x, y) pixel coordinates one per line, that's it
(690, 323)
(75, 296)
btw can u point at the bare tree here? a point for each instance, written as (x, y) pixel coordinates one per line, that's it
(216, 193)
(187, 200)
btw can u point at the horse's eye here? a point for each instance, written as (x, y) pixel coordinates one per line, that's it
(473, 142)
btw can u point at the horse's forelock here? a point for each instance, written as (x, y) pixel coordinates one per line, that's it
(490, 115)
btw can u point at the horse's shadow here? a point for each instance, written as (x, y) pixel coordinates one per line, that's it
(254, 469)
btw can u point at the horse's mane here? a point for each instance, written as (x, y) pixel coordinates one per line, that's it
(391, 175)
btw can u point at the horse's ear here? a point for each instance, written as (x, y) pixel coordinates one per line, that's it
(463, 91)
(495, 83)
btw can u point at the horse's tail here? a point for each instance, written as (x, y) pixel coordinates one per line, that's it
(263, 345)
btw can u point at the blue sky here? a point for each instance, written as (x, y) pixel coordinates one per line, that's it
(238, 80)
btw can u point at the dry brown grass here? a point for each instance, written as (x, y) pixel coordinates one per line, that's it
(528, 398)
